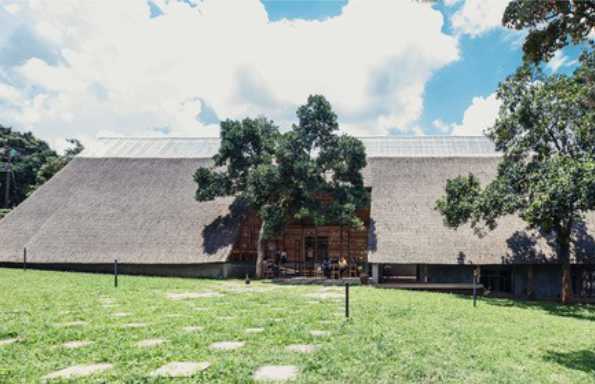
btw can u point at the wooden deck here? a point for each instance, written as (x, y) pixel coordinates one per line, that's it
(316, 281)
(434, 287)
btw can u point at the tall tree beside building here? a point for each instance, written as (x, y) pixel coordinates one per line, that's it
(283, 175)
(551, 24)
(54, 164)
(22, 156)
(26, 163)
(546, 132)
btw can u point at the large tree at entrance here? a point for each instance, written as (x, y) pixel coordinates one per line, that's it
(283, 176)
(546, 132)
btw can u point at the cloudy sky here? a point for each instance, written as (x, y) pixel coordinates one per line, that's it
(89, 68)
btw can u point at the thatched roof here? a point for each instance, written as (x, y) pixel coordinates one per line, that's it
(133, 210)
(407, 229)
(132, 199)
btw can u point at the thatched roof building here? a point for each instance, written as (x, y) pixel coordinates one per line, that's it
(131, 199)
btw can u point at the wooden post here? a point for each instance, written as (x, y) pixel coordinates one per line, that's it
(475, 280)
(347, 300)
(116, 273)
(24, 258)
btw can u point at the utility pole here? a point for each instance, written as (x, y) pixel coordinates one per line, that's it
(7, 170)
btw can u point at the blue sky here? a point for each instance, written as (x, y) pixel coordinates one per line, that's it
(175, 67)
(485, 60)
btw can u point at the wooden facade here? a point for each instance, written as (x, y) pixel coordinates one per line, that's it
(306, 245)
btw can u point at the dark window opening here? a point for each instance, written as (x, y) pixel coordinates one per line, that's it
(496, 280)
(311, 254)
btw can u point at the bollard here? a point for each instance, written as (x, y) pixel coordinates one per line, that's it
(116, 273)
(474, 291)
(25, 259)
(347, 300)
(476, 274)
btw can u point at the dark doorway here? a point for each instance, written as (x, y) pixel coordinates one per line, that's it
(313, 256)
(496, 279)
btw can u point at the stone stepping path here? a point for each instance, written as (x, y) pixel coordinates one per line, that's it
(227, 345)
(76, 344)
(180, 369)
(317, 333)
(68, 324)
(325, 295)
(149, 343)
(277, 373)
(302, 348)
(77, 371)
(225, 318)
(247, 290)
(120, 314)
(8, 341)
(192, 295)
(193, 328)
(134, 325)
(254, 330)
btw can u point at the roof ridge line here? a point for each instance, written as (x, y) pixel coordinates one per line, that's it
(359, 137)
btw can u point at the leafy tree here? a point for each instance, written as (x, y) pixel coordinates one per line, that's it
(32, 163)
(28, 154)
(284, 176)
(546, 133)
(54, 164)
(552, 24)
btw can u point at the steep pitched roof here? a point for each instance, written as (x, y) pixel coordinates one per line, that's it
(132, 199)
(134, 210)
(407, 229)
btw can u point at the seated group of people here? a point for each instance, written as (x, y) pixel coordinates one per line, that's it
(278, 263)
(327, 267)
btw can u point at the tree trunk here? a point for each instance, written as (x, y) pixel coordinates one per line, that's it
(260, 251)
(564, 254)
(566, 284)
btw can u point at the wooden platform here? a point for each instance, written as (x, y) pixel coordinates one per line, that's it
(434, 287)
(316, 281)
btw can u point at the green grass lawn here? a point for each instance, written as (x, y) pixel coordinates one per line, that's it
(392, 337)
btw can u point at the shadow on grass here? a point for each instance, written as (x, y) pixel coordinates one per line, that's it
(583, 360)
(577, 311)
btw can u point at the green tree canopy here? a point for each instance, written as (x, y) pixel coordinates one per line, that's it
(551, 24)
(32, 162)
(284, 175)
(54, 164)
(28, 154)
(546, 133)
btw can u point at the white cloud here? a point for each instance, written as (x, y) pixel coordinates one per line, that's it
(558, 61)
(478, 117)
(477, 17)
(106, 66)
(442, 126)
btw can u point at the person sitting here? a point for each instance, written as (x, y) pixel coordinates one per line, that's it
(342, 266)
(283, 257)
